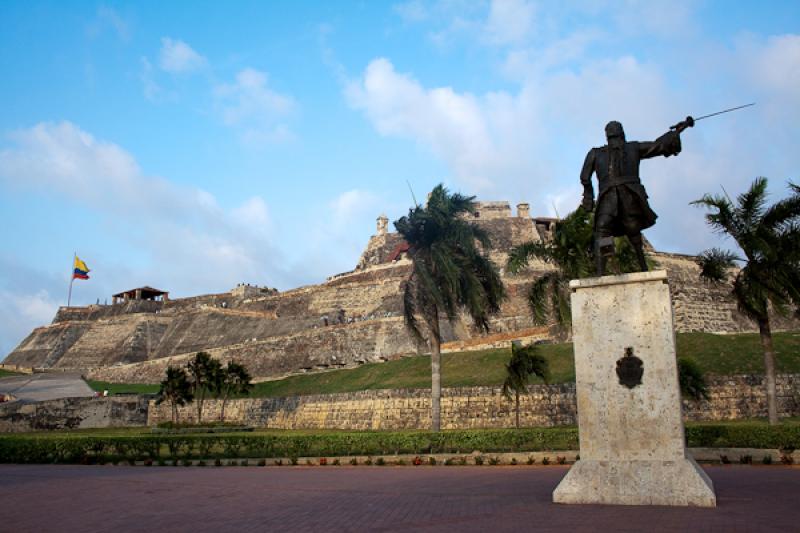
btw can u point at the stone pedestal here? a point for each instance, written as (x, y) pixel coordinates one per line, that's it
(629, 410)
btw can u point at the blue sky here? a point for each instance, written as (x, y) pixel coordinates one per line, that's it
(195, 145)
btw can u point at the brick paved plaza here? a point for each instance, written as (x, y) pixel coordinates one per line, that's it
(121, 498)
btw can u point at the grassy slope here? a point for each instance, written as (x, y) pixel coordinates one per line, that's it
(123, 388)
(715, 354)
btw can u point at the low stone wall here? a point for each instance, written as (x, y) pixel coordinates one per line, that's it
(74, 413)
(462, 408)
(731, 397)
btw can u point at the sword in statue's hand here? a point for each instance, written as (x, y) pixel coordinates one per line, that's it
(689, 122)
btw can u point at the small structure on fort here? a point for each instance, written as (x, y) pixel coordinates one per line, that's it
(141, 293)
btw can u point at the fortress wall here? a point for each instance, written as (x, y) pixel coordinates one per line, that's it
(46, 345)
(320, 348)
(224, 322)
(703, 306)
(731, 398)
(74, 413)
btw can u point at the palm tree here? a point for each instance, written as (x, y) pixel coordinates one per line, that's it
(450, 273)
(524, 363)
(234, 379)
(571, 253)
(203, 372)
(176, 389)
(769, 238)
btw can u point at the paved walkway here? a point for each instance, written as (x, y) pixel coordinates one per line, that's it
(49, 386)
(496, 499)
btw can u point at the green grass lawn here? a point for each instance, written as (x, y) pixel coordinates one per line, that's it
(715, 354)
(123, 388)
(8, 373)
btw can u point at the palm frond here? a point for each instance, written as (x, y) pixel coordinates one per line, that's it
(520, 256)
(715, 263)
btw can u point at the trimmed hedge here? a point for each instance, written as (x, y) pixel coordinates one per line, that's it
(92, 449)
(784, 436)
(72, 448)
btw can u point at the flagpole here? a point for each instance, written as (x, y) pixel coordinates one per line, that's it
(71, 278)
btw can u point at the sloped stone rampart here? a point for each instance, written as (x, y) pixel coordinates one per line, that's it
(316, 349)
(730, 398)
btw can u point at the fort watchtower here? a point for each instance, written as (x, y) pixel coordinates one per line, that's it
(141, 293)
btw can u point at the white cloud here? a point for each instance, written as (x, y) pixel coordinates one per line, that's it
(20, 313)
(509, 21)
(412, 11)
(189, 239)
(456, 127)
(249, 105)
(351, 205)
(108, 18)
(152, 90)
(177, 57)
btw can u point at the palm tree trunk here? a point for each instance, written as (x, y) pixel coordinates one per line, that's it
(769, 369)
(200, 408)
(436, 375)
(517, 398)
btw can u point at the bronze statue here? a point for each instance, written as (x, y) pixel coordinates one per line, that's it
(622, 207)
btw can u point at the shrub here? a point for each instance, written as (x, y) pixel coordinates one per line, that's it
(161, 462)
(545, 460)
(400, 462)
(278, 462)
(746, 459)
(217, 462)
(354, 461)
(262, 462)
(323, 461)
(561, 460)
(449, 461)
(787, 459)
(767, 460)
(187, 462)
(494, 460)
(232, 463)
(380, 461)
(530, 460)
(478, 460)
(724, 459)
(244, 462)
(76, 448)
(432, 461)
(513, 461)
(293, 461)
(368, 461)
(201, 463)
(336, 462)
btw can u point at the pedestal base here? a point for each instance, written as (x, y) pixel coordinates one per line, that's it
(629, 405)
(680, 482)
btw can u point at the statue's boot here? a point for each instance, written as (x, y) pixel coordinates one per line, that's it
(603, 248)
(636, 241)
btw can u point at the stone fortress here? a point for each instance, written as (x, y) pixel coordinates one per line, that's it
(350, 319)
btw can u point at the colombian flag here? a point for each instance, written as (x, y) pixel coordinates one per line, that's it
(80, 270)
